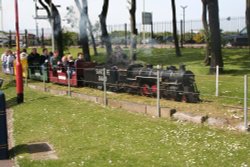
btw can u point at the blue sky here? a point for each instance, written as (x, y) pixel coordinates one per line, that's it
(118, 12)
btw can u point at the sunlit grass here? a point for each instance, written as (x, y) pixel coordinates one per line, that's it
(86, 134)
(231, 88)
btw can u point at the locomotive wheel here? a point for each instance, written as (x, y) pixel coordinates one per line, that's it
(145, 90)
(154, 89)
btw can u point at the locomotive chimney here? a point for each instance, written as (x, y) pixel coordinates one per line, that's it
(182, 67)
(149, 66)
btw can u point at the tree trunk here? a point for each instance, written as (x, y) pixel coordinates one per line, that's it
(134, 32)
(57, 27)
(207, 34)
(105, 36)
(214, 24)
(92, 37)
(84, 40)
(248, 20)
(176, 41)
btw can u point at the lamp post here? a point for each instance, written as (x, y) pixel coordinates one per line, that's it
(183, 8)
(19, 77)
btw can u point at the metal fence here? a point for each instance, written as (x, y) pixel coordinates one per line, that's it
(120, 33)
(212, 88)
(231, 24)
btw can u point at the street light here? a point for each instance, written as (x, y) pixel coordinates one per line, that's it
(183, 8)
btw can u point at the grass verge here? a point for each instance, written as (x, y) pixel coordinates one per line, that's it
(86, 134)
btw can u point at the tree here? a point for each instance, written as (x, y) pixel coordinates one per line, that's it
(55, 19)
(105, 36)
(176, 41)
(206, 32)
(90, 27)
(73, 21)
(84, 40)
(215, 36)
(71, 18)
(134, 31)
(69, 39)
(248, 19)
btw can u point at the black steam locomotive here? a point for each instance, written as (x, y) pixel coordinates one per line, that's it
(175, 84)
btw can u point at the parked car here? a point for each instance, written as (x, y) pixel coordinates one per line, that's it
(4, 42)
(240, 39)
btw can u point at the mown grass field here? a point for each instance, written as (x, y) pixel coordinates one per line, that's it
(231, 86)
(86, 134)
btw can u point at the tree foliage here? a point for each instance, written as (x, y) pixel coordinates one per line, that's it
(70, 39)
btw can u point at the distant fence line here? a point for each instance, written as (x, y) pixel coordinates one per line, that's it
(230, 24)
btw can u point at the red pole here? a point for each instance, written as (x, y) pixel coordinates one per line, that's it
(19, 77)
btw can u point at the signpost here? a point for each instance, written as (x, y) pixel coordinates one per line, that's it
(147, 19)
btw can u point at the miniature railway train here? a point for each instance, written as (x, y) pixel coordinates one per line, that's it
(175, 84)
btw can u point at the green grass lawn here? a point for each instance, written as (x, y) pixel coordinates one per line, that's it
(86, 134)
(231, 88)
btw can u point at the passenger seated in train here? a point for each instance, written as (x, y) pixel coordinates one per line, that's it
(80, 56)
(55, 60)
(71, 61)
(45, 57)
(33, 56)
(62, 65)
(24, 55)
(66, 62)
(8, 62)
(34, 60)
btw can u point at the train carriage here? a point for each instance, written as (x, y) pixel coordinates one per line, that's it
(72, 74)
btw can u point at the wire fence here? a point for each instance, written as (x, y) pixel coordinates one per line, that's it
(232, 24)
(120, 33)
